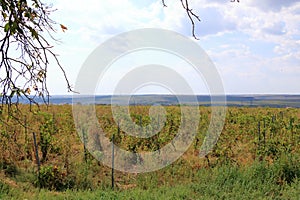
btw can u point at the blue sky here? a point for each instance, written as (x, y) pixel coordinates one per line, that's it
(255, 45)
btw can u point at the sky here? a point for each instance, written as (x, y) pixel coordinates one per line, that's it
(255, 45)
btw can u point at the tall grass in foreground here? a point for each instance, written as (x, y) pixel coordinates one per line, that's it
(248, 162)
(261, 180)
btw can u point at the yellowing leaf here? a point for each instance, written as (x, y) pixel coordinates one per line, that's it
(63, 28)
(28, 91)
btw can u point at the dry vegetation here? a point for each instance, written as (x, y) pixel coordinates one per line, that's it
(251, 136)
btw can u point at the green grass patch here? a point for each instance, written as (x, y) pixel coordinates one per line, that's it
(261, 180)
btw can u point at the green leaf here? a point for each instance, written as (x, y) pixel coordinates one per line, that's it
(34, 34)
(6, 27)
(27, 14)
(4, 15)
(3, 5)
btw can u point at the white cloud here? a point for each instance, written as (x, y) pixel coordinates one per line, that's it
(272, 5)
(252, 42)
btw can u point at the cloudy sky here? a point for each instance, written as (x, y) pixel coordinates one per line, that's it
(255, 45)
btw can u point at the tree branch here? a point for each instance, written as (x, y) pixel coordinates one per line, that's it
(192, 16)
(190, 13)
(163, 2)
(25, 51)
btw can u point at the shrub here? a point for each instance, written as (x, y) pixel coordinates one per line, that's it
(288, 169)
(10, 169)
(53, 178)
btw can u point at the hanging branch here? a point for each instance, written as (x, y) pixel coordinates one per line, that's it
(191, 15)
(25, 51)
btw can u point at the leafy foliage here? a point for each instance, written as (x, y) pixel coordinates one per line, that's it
(47, 131)
(25, 47)
(53, 178)
(240, 163)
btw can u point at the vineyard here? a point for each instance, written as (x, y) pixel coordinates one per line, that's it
(43, 155)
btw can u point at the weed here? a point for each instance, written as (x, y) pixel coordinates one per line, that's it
(53, 178)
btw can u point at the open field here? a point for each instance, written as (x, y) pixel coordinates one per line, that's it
(257, 157)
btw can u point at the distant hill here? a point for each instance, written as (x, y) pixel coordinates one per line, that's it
(205, 100)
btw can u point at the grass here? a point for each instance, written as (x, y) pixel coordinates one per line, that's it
(241, 165)
(258, 181)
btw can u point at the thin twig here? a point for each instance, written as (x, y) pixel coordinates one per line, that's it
(27, 27)
(191, 16)
(190, 13)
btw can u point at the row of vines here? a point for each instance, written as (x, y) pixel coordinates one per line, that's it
(249, 134)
